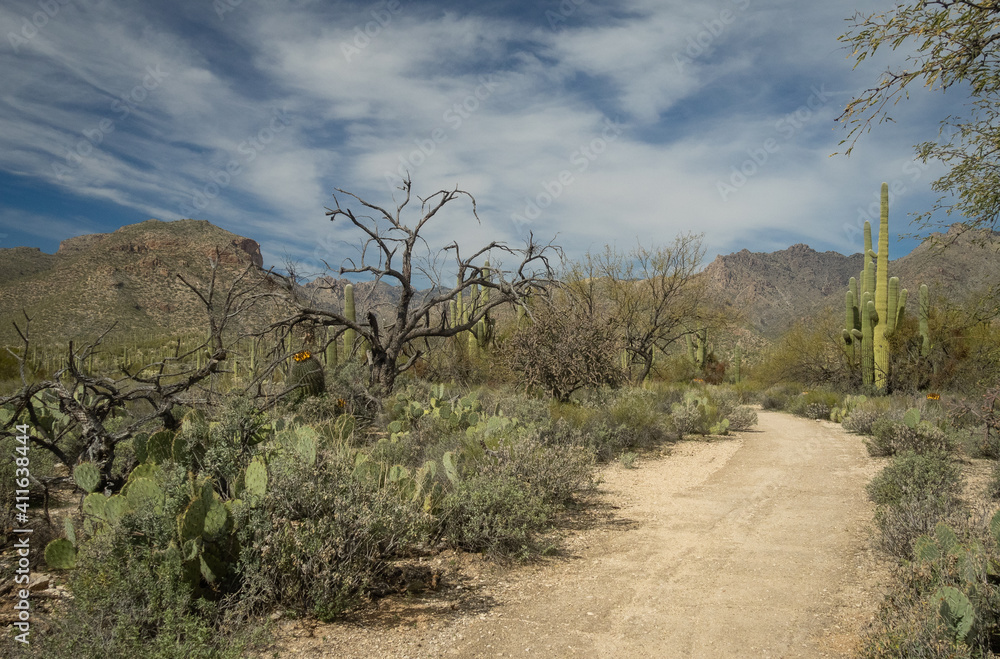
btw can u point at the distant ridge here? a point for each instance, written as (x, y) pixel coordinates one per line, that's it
(774, 290)
(129, 276)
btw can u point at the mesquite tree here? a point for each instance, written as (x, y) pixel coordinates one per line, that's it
(389, 252)
(650, 294)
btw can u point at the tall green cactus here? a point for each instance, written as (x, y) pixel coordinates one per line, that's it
(331, 353)
(925, 310)
(879, 308)
(351, 315)
(852, 321)
(484, 328)
(889, 301)
(699, 349)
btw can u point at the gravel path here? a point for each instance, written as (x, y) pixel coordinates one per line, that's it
(746, 547)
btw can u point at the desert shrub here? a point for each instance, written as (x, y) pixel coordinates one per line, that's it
(913, 493)
(730, 406)
(880, 444)
(348, 382)
(916, 476)
(742, 417)
(667, 393)
(892, 437)
(699, 414)
(131, 600)
(747, 392)
(687, 419)
(813, 404)
(906, 626)
(564, 350)
(495, 514)
(323, 537)
(778, 396)
(609, 422)
(636, 410)
(817, 411)
(976, 443)
(862, 418)
(554, 473)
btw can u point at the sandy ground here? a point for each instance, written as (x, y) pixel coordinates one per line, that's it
(753, 546)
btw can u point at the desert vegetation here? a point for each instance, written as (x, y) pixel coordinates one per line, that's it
(301, 458)
(297, 457)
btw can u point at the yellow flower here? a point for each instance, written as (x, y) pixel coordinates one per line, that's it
(301, 356)
(933, 396)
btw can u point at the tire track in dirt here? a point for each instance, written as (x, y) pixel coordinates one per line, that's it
(748, 547)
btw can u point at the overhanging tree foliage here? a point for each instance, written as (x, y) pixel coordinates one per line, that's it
(391, 250)
(956, 46)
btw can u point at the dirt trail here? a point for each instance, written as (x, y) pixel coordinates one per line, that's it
(746, 547)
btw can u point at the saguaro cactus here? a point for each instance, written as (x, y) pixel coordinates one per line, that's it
(697, 347)
(484, 328)
(925, 310)
(351, 315)
(881, 306)
(890, 302)
(852, 321)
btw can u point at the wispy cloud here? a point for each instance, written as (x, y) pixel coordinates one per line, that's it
(250, 119)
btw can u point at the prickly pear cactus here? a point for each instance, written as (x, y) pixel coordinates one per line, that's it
(255, 479)
(60, 554)
(957, 612)
(87, 476)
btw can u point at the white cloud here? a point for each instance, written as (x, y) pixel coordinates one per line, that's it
(501, 107)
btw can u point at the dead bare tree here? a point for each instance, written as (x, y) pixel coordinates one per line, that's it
(74, 406)
(388, 252)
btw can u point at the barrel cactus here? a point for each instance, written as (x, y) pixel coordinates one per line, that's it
(307, 374)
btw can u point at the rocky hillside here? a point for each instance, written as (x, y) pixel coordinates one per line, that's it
(128, 276)
(773, 290)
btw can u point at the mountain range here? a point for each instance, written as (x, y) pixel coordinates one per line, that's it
(130, 276)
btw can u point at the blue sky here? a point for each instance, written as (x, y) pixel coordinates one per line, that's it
(594, 122)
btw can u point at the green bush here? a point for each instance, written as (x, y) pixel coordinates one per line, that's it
(130, 600)
(323, 536)
(554, 474)
(729, 404)
(862, 418)
(890, 437)
(497, 515)
(913, 493)
(815, 404)
(777, 397)
(880, 444)
(907, 627)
